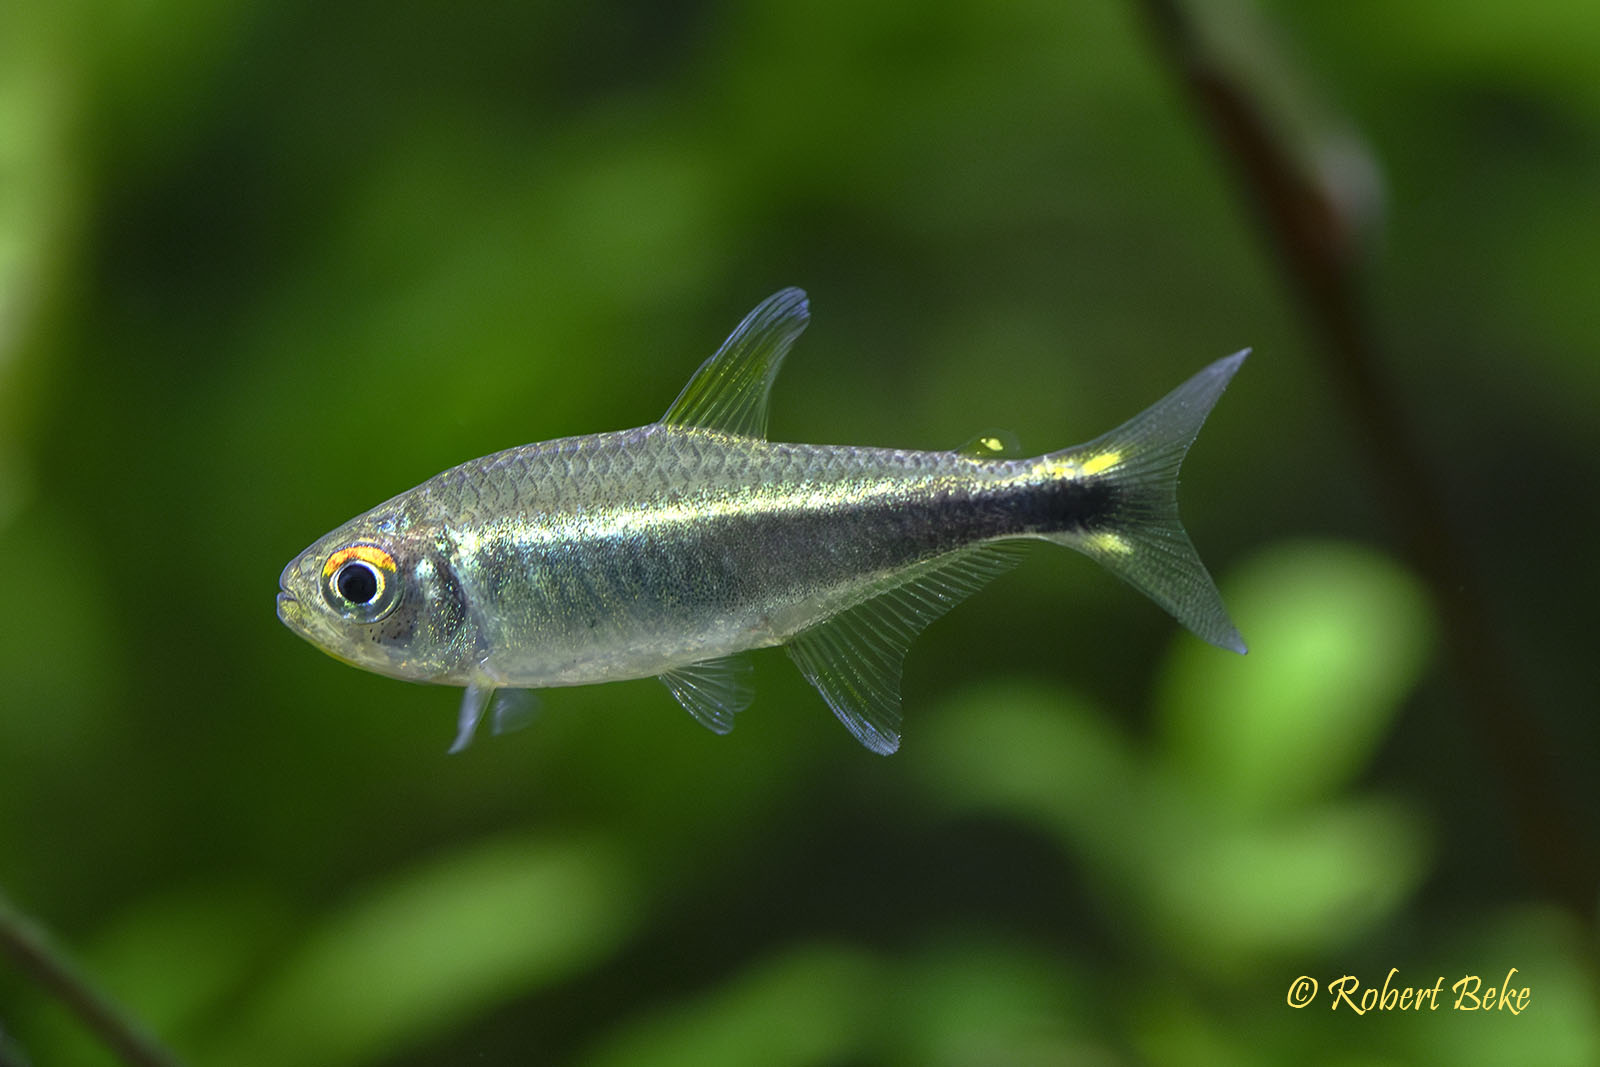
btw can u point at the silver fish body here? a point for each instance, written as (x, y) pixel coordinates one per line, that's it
(670, 549)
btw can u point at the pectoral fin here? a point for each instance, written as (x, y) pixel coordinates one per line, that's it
(508, 710)
(473, 703)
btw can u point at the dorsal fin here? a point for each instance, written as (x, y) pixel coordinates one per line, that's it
(730, 390)
(855, 658)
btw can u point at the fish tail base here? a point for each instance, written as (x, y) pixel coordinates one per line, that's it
(1118, 498)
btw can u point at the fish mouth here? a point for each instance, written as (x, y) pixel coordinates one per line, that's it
(301, 621)
(291, 610)
(288, 606)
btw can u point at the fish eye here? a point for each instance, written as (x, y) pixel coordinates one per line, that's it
(360, 582)
(357, 581)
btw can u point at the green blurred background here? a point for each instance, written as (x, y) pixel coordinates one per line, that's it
(263, 265)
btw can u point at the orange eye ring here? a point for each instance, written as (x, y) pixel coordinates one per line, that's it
(360, 581)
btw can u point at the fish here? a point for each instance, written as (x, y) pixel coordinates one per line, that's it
(675, 549)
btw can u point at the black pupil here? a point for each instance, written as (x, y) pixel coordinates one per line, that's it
(357, 583)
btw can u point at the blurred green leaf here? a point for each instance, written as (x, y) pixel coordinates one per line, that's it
(1172, 854)
(433, 947)
(1338, 635)
(1224, 897)
(1480, 40)
(177, 960)
(1170, 1030)
(41, 201)
(1554, 960)
(967, 1001)
(61, 668)
(1032, 747)
(960, 1002)
(813, 1005)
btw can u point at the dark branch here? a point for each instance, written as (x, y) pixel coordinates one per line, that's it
(28, 944)
(1315, 242)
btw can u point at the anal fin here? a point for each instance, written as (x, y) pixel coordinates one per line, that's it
(713, 690)
(855, 658)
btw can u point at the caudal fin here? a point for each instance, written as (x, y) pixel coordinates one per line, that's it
(1137, 535)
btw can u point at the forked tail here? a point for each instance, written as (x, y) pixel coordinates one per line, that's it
(1131, 476)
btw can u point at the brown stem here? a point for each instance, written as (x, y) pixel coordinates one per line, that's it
(27, 943)
(1317, 252)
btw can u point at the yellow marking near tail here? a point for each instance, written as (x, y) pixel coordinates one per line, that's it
(1098, 464)
(1086, 467)
(1109, 543)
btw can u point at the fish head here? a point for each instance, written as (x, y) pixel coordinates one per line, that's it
(379, 593)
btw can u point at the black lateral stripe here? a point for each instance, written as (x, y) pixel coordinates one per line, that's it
(1074, 504)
